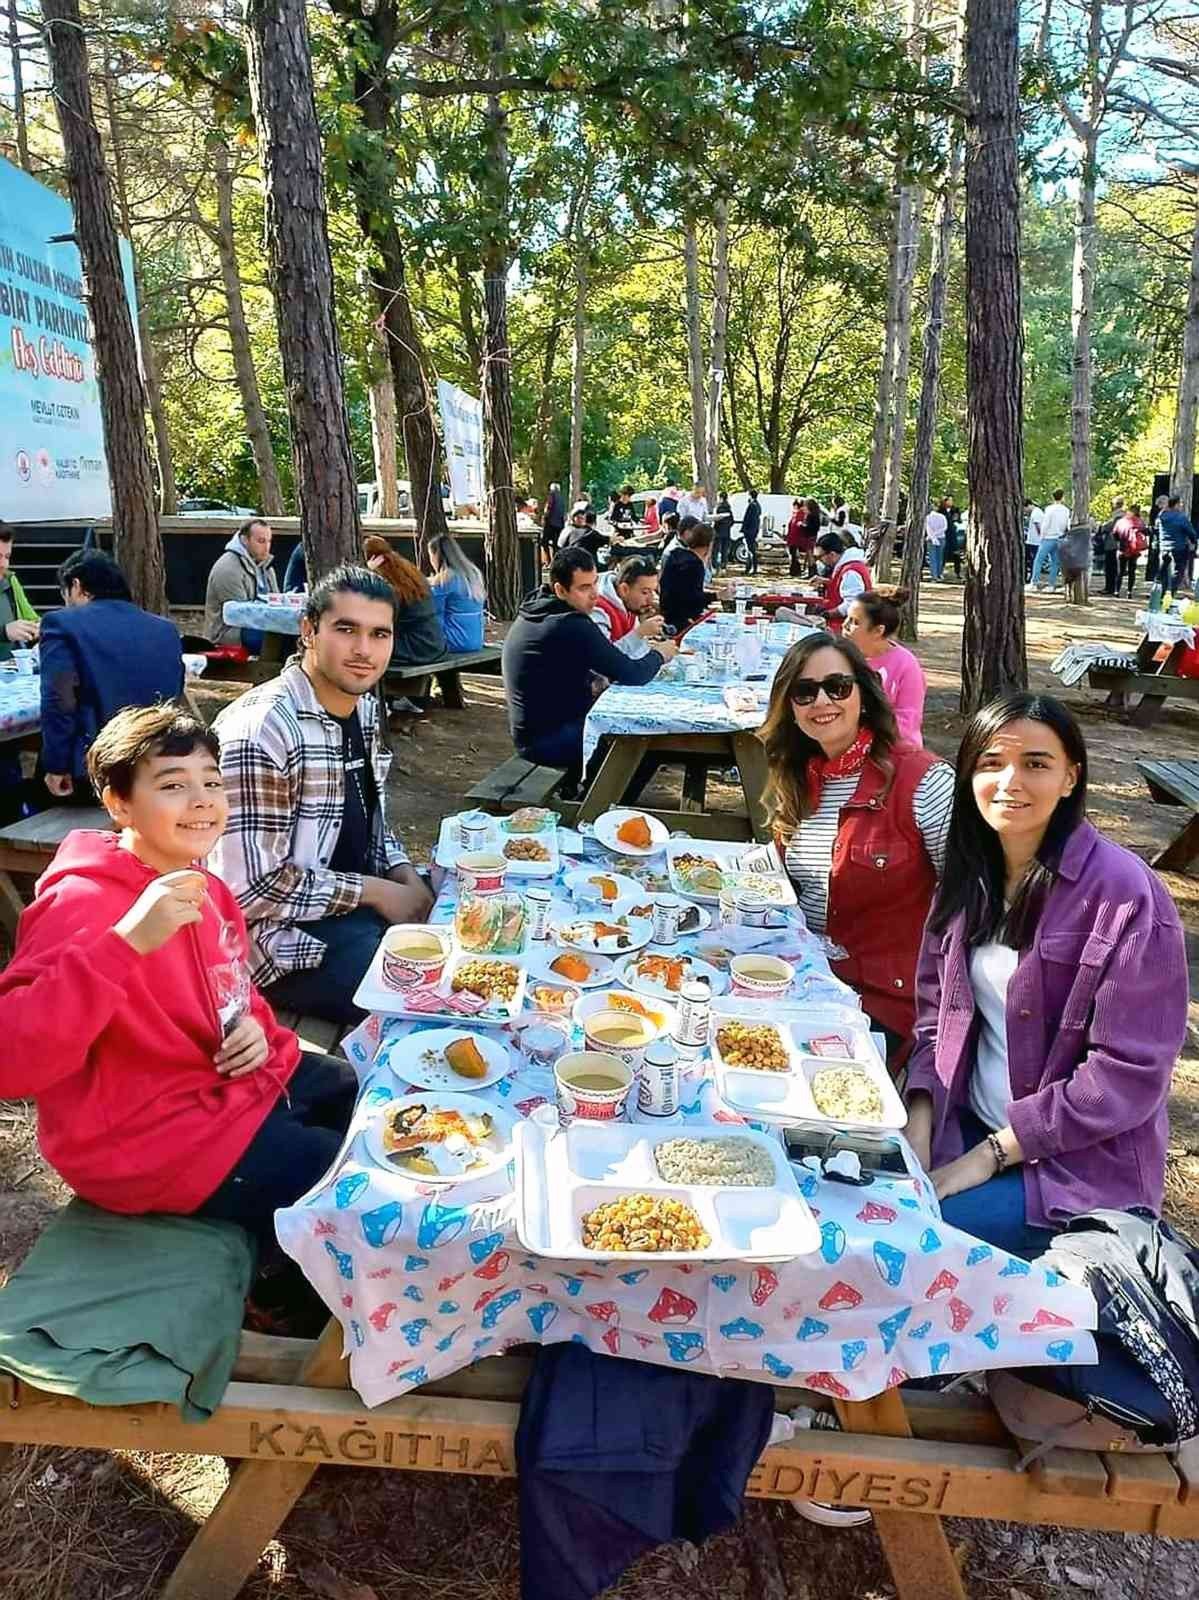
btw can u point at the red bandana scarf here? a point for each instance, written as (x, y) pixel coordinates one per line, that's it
(821, 769)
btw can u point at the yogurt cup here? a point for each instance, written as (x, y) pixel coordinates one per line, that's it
(590, 1104)
(639, 1029)
(474, 829)
(761, 977)
(404, 967)
(482, 871)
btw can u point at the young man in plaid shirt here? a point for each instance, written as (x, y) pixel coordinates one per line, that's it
(307, 851)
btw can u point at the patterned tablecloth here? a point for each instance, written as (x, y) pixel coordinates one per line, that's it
(426, 1281)
(688, 695)
(259, 614)
(20, 705)
(1076, 660)
(1161, 627)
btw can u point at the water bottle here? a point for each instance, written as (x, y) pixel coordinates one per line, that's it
(1155, 597)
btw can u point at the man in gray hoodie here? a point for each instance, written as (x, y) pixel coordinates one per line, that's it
(242, 571)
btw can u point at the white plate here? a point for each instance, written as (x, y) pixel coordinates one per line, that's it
(774, 884)
(587, 1005)
(373, 994)
(574, 932)
(603, 969)
(498, 1147)
(606, 826)
(627, 974)
(625, 887)
(406, 1058)
(449, 848)
(563, 1173)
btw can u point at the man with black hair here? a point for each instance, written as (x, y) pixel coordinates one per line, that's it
(98, 655)
(551, 656)
(242, 571)
(584, 533)
(18, 619)
(308, 851)
(751, 523)
(626, 607)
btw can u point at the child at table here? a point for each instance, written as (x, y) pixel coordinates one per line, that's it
(162, 1078)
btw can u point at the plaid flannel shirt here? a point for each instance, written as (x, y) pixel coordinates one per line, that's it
(282, 761)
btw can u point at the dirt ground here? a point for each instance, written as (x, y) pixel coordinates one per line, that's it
(77, 1525)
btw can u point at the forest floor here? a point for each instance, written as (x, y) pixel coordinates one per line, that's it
(79, 1525)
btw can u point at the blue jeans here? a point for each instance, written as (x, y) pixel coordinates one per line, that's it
(994, 1211)
(328, 990)
(1047, 556)
(936, 558)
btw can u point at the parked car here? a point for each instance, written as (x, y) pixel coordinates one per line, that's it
(199, 507)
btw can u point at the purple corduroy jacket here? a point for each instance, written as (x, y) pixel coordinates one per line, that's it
(1096, 1016)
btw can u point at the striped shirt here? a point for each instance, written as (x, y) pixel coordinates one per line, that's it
(282, 759)
(809, 854)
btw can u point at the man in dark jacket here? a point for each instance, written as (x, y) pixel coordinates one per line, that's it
(553, 521)
(99, 654)
(751, 522)
(1178, 539)
(551, 655)
(681, 592)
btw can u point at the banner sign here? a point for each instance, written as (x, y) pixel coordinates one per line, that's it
(52, 458)
(462, 426)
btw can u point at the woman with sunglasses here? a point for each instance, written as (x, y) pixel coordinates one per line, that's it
(861, 818)
(1053, 995)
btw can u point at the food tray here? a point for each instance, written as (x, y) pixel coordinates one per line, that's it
(563, 1173)
(449, 848)
(728, 858)
(374, 995)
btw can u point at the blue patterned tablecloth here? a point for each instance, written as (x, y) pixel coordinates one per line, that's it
(425, 1280)
(20, 705)
(258, 614)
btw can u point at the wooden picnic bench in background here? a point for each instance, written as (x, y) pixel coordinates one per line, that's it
(1175, 783)
(1151, 678)
(27, 848)
(447, 673)
(911, 1457)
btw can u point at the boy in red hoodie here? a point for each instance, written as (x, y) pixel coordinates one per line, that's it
(163, 1081)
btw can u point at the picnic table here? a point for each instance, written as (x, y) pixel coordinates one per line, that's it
(20, 705)
(682, 716)
(1150, 669)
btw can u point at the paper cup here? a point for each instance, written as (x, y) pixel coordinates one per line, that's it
(586, 1102)
(761, 977)
(404, 964)
(481, 872)
(639, 1029)
(542, 1041)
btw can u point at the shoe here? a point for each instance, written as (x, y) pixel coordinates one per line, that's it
(406, 708)
(819, 1511)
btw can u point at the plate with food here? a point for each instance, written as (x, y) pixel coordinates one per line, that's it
(701, 868)
(440, 1138)
(633, 833)
(532, 855)
(612, 932)
(449, 1058)
(610, 886)
(660, 973)
(659, 1013)
(530, 819)
(551, 999)
(472, 988)
(627, 1192)
(582, 969)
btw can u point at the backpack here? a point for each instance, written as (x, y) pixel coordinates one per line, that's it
(1143, 1393)
(1133, 542)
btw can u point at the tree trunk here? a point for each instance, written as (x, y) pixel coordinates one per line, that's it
(578, 352)
(270, 494)
(1083, 283)
(301, 273)
(930, 367)
(136, 541)
(383, 430)
(539, 450)
(18, 87)
(503, 557)
(695, 355)
(1182, 473)
(883, 397)
(911, 202)
(993, 651)
(720, 322)
(168, 495)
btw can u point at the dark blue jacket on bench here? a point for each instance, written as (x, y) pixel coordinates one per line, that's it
(96, 659)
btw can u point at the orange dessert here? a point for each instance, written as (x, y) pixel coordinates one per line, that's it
(635, 832)
(572, 967)
(466, 1059)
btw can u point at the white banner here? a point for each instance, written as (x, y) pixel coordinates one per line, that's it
(462, 426)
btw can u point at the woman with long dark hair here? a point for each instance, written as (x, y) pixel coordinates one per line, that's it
(872, 623)
(1053, 994)
(861, 819)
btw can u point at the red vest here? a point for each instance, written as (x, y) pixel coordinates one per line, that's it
(832, 595)
(881, 888)
(622, 619)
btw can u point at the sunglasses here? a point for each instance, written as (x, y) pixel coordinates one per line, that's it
(837, 686)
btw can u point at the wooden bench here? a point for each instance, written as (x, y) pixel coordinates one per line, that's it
(27, 848)
(911, 1457)
(1175, 783)
(1153, 679)
(515, 783)
(446, 671)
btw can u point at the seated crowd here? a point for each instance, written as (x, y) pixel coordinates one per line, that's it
(1029, 974)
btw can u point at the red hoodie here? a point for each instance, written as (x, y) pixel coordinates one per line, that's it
(117, 1048)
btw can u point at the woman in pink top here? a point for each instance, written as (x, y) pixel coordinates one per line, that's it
(871, 622)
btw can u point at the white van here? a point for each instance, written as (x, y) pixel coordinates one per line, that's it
(368, 499)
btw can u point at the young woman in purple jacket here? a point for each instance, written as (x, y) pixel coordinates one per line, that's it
(1051, 995)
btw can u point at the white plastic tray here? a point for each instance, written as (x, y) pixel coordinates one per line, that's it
(773, 883)
(563, 1173)
(449, 848)
(373, 994)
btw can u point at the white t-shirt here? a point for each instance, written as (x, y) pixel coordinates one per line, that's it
(1032, 533)
(693, 505)
(935, 525)
(1055, 521)
(991, 968)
